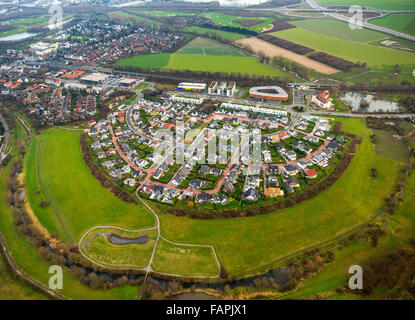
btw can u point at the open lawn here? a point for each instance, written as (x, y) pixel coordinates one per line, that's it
(349, 50)
(77, 200)
(339, 30)
(209, 47)
(378, 4)
(184, 260)
(262, 239)
(224, 34)
(403, 22)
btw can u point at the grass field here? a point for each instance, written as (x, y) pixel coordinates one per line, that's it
(209, 47)
(259, 240)
(403, 22)
(339, 30)
(349, 50)
(378, 4)
(185, 260)
(125, 16)
(223, 19)
(224, 34)
(98, 248)
(29, 261)
(388, 147)
(229, 64)
(150, 61)
(77, 200)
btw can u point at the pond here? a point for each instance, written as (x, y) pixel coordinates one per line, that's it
(18, 36)
(360, 102)
(118, 240)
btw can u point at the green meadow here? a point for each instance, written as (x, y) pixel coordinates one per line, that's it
(206, 46)
(349, 50)
(403, 22)
(339, 30)
(223, 19)
(224, 34)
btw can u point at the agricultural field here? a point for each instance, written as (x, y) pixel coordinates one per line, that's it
(129, 17)
(224, 34)
(378, 4)
(229, 64)
(149, 61)
(262, 239)
(209, 47)
(338, 30)
(388, 147)
(403, 22)
(223, 19)
(349, 50)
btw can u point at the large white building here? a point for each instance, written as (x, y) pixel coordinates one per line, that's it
(222, 89)
(323, 100)
(43, 48)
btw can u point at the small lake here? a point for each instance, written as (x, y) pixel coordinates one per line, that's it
(356, 99)
(18, 36)
(118, 240)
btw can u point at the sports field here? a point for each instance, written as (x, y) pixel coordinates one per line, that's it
(378, 4)
(349, 50)
(223, 19)
(206, 47)
(403, 22)
(339, 30)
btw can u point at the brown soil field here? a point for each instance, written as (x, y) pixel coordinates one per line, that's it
(273, 51)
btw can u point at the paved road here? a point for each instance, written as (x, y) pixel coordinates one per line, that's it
(315, 5)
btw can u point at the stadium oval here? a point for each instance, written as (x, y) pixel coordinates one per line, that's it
(273, 93)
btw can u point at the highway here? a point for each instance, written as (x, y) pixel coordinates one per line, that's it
(315, 5)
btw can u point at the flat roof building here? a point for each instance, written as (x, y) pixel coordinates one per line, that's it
(95, 78)
(272, 93)
(190, 86)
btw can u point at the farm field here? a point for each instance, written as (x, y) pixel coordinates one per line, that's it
(209, 47)
(224, 34)
(349, 50)
(262, 239)
(149, 61)
(64, 174)
(229, 64)
(403, 22)
(223, 19)
(125, 16)
(274, 51)
(378, 4)
(339, 30)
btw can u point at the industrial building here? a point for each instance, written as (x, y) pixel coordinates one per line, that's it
(222, 89)
(189, 86)
(127, 82)
(95, 78)
(271, 93)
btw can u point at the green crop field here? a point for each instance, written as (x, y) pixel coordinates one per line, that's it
(378, 4)
(203, 46)
(224, 34)
(223, 19)
(229, 64)
(403, 22)
(339, 30)
(349, 50)
(262, 239)
(64, 174)
(150, 61)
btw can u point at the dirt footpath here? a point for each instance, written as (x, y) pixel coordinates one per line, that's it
(273, 51)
